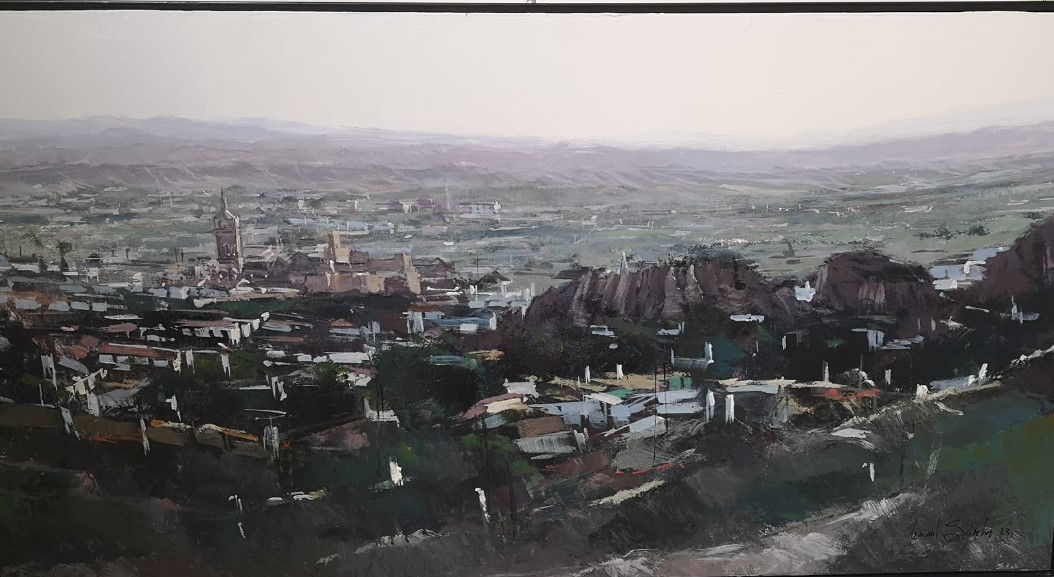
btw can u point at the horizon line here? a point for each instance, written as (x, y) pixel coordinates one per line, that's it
(694, 141)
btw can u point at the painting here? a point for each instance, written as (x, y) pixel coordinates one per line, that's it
(533, 290)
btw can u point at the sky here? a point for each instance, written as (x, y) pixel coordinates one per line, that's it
(737, 80)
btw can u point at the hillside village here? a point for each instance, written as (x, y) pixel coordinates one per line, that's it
(298, 357)
(126, 361)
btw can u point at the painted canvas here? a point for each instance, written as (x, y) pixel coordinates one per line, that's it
(423, 294)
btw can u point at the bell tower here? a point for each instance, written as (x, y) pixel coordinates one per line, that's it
(228, 231)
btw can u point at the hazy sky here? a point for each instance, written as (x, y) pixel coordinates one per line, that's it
(775, 79)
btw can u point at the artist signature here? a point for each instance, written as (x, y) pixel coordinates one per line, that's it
(955, 530)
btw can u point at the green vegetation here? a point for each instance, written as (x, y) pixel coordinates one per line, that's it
(408, 383)
(501, 453)
(942, 232)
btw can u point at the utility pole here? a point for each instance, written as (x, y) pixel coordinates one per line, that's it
(380, 407)
(486, 464)
(655, 446)
(903, 446)
(512, 495)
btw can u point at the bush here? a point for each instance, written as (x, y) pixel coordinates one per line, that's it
(941, 232)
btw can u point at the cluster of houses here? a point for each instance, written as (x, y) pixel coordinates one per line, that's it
(561, 419)
(568, 418)
(330, 268)
(101, 345)
(398, 206)
(96, 366)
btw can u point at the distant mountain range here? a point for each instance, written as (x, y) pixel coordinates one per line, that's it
(241, 130)
(170, 152)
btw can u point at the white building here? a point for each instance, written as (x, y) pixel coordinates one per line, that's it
(472, 207)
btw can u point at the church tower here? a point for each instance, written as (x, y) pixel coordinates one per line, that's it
(228, 230)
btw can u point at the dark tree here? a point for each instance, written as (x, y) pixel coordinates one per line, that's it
(64, 248)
